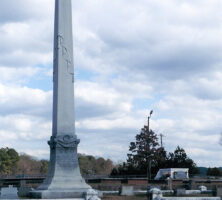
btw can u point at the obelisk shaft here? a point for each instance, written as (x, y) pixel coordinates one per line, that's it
(64, 179)
(63, 71)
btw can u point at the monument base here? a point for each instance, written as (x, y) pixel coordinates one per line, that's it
(57, 194)
(64, 179)
(78, 194)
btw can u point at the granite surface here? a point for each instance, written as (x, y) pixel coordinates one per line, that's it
(64, 179)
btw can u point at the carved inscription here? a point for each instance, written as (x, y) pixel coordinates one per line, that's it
(66, 159)
(65, 55)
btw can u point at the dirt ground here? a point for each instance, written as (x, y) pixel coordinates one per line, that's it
(124, 198)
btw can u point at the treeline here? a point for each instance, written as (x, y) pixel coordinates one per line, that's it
(89, 165)
(147, 156)
(13, 163)
(215, 171)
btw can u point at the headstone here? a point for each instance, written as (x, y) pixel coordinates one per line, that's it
(192, 192)
(100, 193)
(219, 191)
(181, 192)
(91, 195)
(169, 183)
(9, 193)
(154, 194)
(202, 188)
(167, 192)
(64, 179)
(24, 191)
(127, 191)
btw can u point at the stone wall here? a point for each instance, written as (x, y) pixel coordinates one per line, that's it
(138, 183)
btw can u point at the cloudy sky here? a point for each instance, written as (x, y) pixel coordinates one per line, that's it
(130, 57)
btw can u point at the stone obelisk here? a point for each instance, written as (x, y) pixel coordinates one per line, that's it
(64, 179)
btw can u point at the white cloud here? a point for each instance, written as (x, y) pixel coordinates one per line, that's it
(164, 55)
(107, 124)
(16, 99)
(18, 75)
(24, 126)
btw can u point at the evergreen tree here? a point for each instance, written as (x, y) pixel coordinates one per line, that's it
(144, 149)
(145, 153)
(179, 159)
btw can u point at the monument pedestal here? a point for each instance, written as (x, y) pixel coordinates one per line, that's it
(64, 179)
